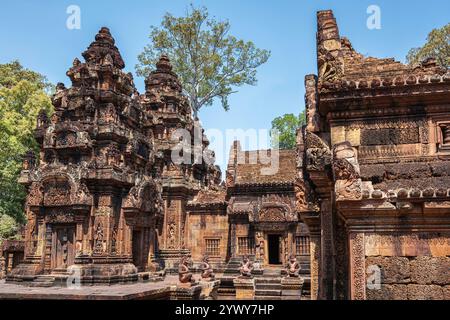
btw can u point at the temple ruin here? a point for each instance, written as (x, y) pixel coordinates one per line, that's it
(360, 210)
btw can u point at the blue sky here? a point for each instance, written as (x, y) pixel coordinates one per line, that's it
(35, 33)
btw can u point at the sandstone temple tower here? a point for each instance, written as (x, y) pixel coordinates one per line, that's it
(94, 203)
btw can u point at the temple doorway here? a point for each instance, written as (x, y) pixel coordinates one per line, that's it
(274, 248)
(63, 252)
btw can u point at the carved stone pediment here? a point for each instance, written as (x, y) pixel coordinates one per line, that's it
(57, 189)
(272, 214)
(145, 196)
(273, 208)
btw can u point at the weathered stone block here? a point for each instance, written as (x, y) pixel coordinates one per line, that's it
(337, 135)
(425, 292)
(292, 287)
(424, 270)
(430, 270)
(393, 269)
(209, 289)
(388, 292)
(353, 136)
(245, 288)
(446, 292)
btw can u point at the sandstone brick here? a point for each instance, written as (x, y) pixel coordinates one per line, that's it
(393, 269)
(388, 292)
(424, 270)
(425, 292)
(446, 292)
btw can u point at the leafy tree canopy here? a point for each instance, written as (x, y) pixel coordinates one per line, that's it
(209, 61)
(437, 47)
(23, 93)
(286, 127)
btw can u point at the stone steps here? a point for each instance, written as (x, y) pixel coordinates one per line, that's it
(267, 280)
(268, 285)
(267, 297)
(42, 281)
(268, 292)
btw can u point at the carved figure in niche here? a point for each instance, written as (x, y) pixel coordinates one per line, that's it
(171, 235)
(293, 267)
(300, 195)
(207, 270)
(98, 239)
(260, 244)
(246, 268)
(29, 160)
(110, 113)
(184, 274)
(113, 155)
(32, 231)
(114, 240)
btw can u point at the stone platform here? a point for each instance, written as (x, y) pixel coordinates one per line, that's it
(162, 290)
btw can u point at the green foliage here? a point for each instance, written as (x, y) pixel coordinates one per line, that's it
(209, 61)
(286, 127)
(8, 227)
(437, 47)
(22, 96)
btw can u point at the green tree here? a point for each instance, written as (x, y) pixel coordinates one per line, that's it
(437, 47)
(209, 61)
(286, 128)
(23, 93)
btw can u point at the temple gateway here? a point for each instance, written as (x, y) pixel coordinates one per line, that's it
(363, 202)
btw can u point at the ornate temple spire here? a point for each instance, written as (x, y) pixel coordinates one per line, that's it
(163, 76)
(164, 65)
(103, 50)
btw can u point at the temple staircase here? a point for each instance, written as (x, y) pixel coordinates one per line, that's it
(268, 285)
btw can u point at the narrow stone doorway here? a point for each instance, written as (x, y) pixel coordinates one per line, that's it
(274, 248)
(63, 252)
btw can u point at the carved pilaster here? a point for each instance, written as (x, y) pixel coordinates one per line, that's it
(327, 250)
(357, 266)
(315, 262)
(312, 112)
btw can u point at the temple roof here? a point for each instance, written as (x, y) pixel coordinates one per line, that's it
(209, 197)
(103, 49)
(341, 68)
(252, 172)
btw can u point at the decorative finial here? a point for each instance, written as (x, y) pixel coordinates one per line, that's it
(164, 64)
